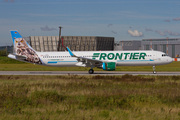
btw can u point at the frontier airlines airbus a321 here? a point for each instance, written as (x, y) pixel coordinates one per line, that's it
(106, 60)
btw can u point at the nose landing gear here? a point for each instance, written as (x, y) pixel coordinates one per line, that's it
(154, 68)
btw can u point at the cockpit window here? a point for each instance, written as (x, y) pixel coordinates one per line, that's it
(163, 55)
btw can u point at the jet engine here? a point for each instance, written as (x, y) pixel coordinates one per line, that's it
(109, 66)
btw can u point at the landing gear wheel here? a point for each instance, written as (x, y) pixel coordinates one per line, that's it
(154, 72)
(91, 71)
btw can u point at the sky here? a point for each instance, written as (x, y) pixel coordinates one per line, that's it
(121, 19)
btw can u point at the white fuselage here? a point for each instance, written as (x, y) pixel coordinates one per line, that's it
(121, 58)
(106, 60)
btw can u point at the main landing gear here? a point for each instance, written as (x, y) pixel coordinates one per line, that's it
(154, 72)
(91, 71)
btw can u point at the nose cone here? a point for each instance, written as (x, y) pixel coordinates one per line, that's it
(169, 60)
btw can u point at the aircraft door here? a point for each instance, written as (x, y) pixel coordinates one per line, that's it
(154, 53)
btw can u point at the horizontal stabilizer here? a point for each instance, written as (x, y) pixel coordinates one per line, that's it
(13, 56)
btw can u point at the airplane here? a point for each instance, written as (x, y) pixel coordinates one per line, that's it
(106, 60)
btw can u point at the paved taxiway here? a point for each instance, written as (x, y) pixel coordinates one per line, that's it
(83, 73)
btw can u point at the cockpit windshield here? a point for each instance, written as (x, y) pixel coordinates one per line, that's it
(163, 55)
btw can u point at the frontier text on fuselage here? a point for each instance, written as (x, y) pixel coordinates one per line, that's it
(119, 56)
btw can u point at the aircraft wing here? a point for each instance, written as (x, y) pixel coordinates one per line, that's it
(86, 62)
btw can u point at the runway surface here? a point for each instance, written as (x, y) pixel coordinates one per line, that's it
(84, 73)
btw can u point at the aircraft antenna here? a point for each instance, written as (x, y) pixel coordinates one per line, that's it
(167, 46)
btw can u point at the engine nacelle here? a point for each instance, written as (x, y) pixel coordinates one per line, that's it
(109, 66)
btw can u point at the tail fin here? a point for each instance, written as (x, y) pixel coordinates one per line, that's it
(23, 49)
(18, 39)
(14, 35)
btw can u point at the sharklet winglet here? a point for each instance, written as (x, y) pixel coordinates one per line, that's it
(72, 55)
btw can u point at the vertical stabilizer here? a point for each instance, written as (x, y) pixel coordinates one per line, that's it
(23, 50)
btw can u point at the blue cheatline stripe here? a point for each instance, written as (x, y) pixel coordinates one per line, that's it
(133, 60)
(60, 61)
(52, 62)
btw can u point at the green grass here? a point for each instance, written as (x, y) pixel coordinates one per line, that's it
(6, 60)
(90, 97)
(7, 64)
